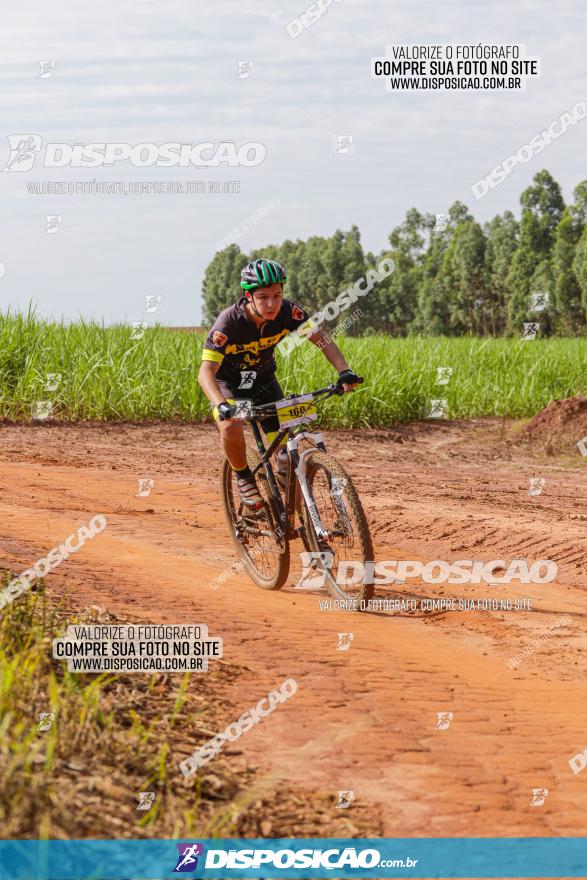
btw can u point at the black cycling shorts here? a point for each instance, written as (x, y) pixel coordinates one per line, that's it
(263, 390)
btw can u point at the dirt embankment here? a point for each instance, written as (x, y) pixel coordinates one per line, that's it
(559, 427)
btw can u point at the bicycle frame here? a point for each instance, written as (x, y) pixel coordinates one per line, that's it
(284, 514)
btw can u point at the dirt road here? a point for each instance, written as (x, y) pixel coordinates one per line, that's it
(363, 719)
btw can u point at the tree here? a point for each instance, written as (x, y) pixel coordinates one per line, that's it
(221, 284)
(579, 208)
(344, 262)
(569, 315)
(433, 313)
(396, 296)
(449, 278)
(543, 282)
(464, 270)
(501, 235)
(312, 277)
(334, 263)
(544, 199)
(542, 207)
(580, 267)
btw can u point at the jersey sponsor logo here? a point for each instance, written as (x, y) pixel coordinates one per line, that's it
(256, 346)
(297, 314)
(249, 360)
(247, 378)
(219, 338)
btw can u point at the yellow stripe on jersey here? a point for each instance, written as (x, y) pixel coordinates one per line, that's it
(208, 354)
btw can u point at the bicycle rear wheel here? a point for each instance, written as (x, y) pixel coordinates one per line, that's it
(349, 538)
(263, 551)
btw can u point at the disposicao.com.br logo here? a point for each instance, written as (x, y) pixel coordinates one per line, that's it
(24, 149)
(316, 564)
(188, 857)
(326, 858)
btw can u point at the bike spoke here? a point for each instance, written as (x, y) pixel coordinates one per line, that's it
(259, 544)
(337, 519)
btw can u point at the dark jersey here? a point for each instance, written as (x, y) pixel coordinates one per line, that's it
(240, 347)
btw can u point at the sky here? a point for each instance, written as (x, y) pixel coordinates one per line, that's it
(148, 71)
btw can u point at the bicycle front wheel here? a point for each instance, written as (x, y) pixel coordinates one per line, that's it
(348, 539)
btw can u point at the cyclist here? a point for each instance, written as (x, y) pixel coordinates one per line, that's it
(238, 362)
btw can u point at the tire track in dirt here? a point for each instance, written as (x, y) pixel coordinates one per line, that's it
(364, 719)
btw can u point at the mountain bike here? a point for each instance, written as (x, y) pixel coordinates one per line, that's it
(319, 504)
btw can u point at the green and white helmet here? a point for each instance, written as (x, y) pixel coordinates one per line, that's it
(262, 273)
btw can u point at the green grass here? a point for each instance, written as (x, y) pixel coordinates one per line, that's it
(112, 736)
(107, 375)
(115, 735)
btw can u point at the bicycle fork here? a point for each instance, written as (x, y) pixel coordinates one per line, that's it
(300, 468)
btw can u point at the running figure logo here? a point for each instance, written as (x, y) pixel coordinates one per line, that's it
(244, 69)
(41, 409)
(46, 720)
(242, 409)
(23, 149)
(314, 565)
(152, 302)
(247, 378)
(53, 380)
(530, 329)
(187, 860)
(337, 487)
(539, 302)
(53, 222)
(344, 799)
(344, 145)
(539, 795)
(443, 374)
(437, 408)
(46, 69)
(444, 719)
(146, 800)
(344, 641)
(536, 485)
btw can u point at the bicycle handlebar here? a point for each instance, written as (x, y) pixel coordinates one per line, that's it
(327, 391)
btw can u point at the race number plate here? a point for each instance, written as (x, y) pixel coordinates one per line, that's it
(296, 411)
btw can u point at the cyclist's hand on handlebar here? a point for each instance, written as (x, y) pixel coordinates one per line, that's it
(348, 380)
(225, 411)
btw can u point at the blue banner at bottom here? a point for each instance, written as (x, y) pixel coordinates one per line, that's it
(309, 858)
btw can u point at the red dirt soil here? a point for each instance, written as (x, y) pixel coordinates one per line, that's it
(363, 719)
(560, 425)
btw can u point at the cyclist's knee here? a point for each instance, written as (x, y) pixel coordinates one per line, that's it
(230, 427)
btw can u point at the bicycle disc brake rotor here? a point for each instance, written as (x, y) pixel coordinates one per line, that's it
(341, 541)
